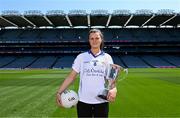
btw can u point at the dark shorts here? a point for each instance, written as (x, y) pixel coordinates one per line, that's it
(92, 110)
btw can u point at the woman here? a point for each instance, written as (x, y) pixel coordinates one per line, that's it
(90, 66)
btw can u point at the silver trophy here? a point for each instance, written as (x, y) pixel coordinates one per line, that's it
(111, 73)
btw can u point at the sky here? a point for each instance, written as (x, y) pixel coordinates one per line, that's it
(88, 5)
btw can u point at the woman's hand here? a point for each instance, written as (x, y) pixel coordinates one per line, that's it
(58, 100)
(112, 95)
(71, 77)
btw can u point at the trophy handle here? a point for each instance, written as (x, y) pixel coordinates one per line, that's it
(112, 84)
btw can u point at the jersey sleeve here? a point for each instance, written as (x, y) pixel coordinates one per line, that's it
(110, 60)
(77, 64)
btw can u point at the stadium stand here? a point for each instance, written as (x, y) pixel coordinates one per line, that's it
(118, 61)
(43, 62)
(157, 62)
(64, 62)
(122, 35)
(21, 62)
(134, 62)
(49, 35)
(135, 40)
(174, 60)
(5, 60)
(10, 35)
(29, 35)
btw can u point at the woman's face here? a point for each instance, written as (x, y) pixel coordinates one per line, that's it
(95, 40)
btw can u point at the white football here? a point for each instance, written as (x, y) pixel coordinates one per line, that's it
(69, 98)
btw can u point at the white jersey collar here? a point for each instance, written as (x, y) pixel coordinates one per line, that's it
(98, 54)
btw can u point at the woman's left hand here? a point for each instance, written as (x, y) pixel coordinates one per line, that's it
(112, 95)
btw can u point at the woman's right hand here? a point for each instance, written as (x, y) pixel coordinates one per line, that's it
(58, 100)
(71, 77)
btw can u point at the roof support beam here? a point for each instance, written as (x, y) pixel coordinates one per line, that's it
(9, 21)
(28, 21)
(48, 21)
(109, 19)
(148, 20)
(128, 20)
(89, 20)
(67, 17)
(168, 20)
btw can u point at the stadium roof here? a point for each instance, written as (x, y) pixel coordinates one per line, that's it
(97, 18)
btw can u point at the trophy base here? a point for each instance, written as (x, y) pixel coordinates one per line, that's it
(104, 94)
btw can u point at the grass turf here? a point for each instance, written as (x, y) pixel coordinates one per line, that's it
(145, 93)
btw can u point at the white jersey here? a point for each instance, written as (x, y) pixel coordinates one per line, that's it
(92, 71)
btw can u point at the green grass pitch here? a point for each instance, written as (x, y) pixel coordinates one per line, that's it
(145, 93)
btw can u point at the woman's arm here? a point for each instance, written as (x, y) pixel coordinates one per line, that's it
(112, 92)
(71, 77)
(112, 95)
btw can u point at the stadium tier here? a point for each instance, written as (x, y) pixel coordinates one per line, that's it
(50, 48)
(75, 18)
(81, 35)
(132, 61)
(135, 40)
